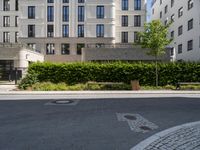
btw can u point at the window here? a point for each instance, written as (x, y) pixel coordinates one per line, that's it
(31, 30)
(137, 4)
(137, 20)
(165, 23)
(166, 9)
(124, 21)
(172, 3)
(160, 2)
(16, 37)
(81, 13)
(190, 4)
(31, 12)
(50, 49)
(81, 30)
(180, 30)
(153, 11)
(79, 48)
(180, 48)
(65, 49)
(6, 21)
(100, 12)
(65, 1)
(190, 24)
(65, 13)
(124, 4)
(124, 37)
(6, 37)
(65, 30)
(100, 30)
(136, 37)
(16, 5)
(16, 21)
(190, 45)
(50, 1)
(81, 1)
(180, 12)
(32, 46)
(6, 5)
(172, 34)
(172, 18)
(160, 14)
(100, 45)
(50, 13)
(50, 31)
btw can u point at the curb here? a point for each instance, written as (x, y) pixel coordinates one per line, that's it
(96, 92)
(142, 145)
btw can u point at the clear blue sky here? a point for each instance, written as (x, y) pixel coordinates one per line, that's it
(148, 9)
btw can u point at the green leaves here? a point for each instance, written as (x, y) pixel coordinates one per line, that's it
(155, 38)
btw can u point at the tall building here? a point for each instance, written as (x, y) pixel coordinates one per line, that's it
(185, 28)
(61, 28)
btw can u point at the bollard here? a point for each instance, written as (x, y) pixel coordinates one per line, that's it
(135, 85)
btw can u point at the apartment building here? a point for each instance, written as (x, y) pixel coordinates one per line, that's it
(185, 28)
(61, 28)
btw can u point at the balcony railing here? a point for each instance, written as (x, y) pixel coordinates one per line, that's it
(118, 45)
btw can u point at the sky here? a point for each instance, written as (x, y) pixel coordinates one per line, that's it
(148, 9)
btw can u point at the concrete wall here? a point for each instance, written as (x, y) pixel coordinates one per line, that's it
(128, 54)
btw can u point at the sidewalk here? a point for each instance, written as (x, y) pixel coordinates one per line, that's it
(181, 137)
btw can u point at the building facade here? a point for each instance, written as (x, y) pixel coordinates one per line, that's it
(185, 27)
(61, 28)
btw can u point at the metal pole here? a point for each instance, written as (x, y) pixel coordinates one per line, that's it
(16, 76)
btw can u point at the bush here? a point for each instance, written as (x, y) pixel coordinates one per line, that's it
(78, 73)
(28, 81)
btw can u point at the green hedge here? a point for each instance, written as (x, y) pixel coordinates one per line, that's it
(73, 73)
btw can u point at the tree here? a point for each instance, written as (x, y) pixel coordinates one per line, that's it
(155, 38)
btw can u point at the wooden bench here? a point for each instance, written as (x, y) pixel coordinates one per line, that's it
(178, 85)
(103, 83)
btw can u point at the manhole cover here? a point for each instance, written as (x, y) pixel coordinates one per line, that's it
(130, 117)
(63, 101)
(145, 128)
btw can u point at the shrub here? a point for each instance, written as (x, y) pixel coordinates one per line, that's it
(78, 73)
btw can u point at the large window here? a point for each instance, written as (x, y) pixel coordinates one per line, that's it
(190, 45)
(81, 13)
(137, 20)
(31, 30)
(16, 21)
(166, 9)
(190, 24)
(6, 21)
(136, 37)
(6, 37)
(124, 4)
(137, 4)
(81, 30)
(50, 13)
(172, 3)
(100, 30)
(81, 1)
(50, 30)
(16, 5)
(65, 49)
(124, 37)
(190, 4)
(180, 48)
(124, 21)
(180, 30)
(50, 1)
(6, 5)
(100, 12)
(79, 48)
(65, 30)
(50, 49)
(65, 13)
(31, 12)
(180, 12)
(16, 37)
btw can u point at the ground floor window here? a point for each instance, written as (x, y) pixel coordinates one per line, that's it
(79, 48)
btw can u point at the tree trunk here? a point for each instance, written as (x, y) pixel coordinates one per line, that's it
(156, 71)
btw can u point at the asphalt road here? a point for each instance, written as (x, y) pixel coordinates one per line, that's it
(87, 124)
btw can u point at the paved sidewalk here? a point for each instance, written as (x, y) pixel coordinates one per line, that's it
(6, 88)
(183, 137)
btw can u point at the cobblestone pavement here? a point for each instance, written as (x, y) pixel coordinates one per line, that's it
(186, 137)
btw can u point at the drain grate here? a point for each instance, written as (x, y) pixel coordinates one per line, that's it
(62, 102)
(130, 117)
